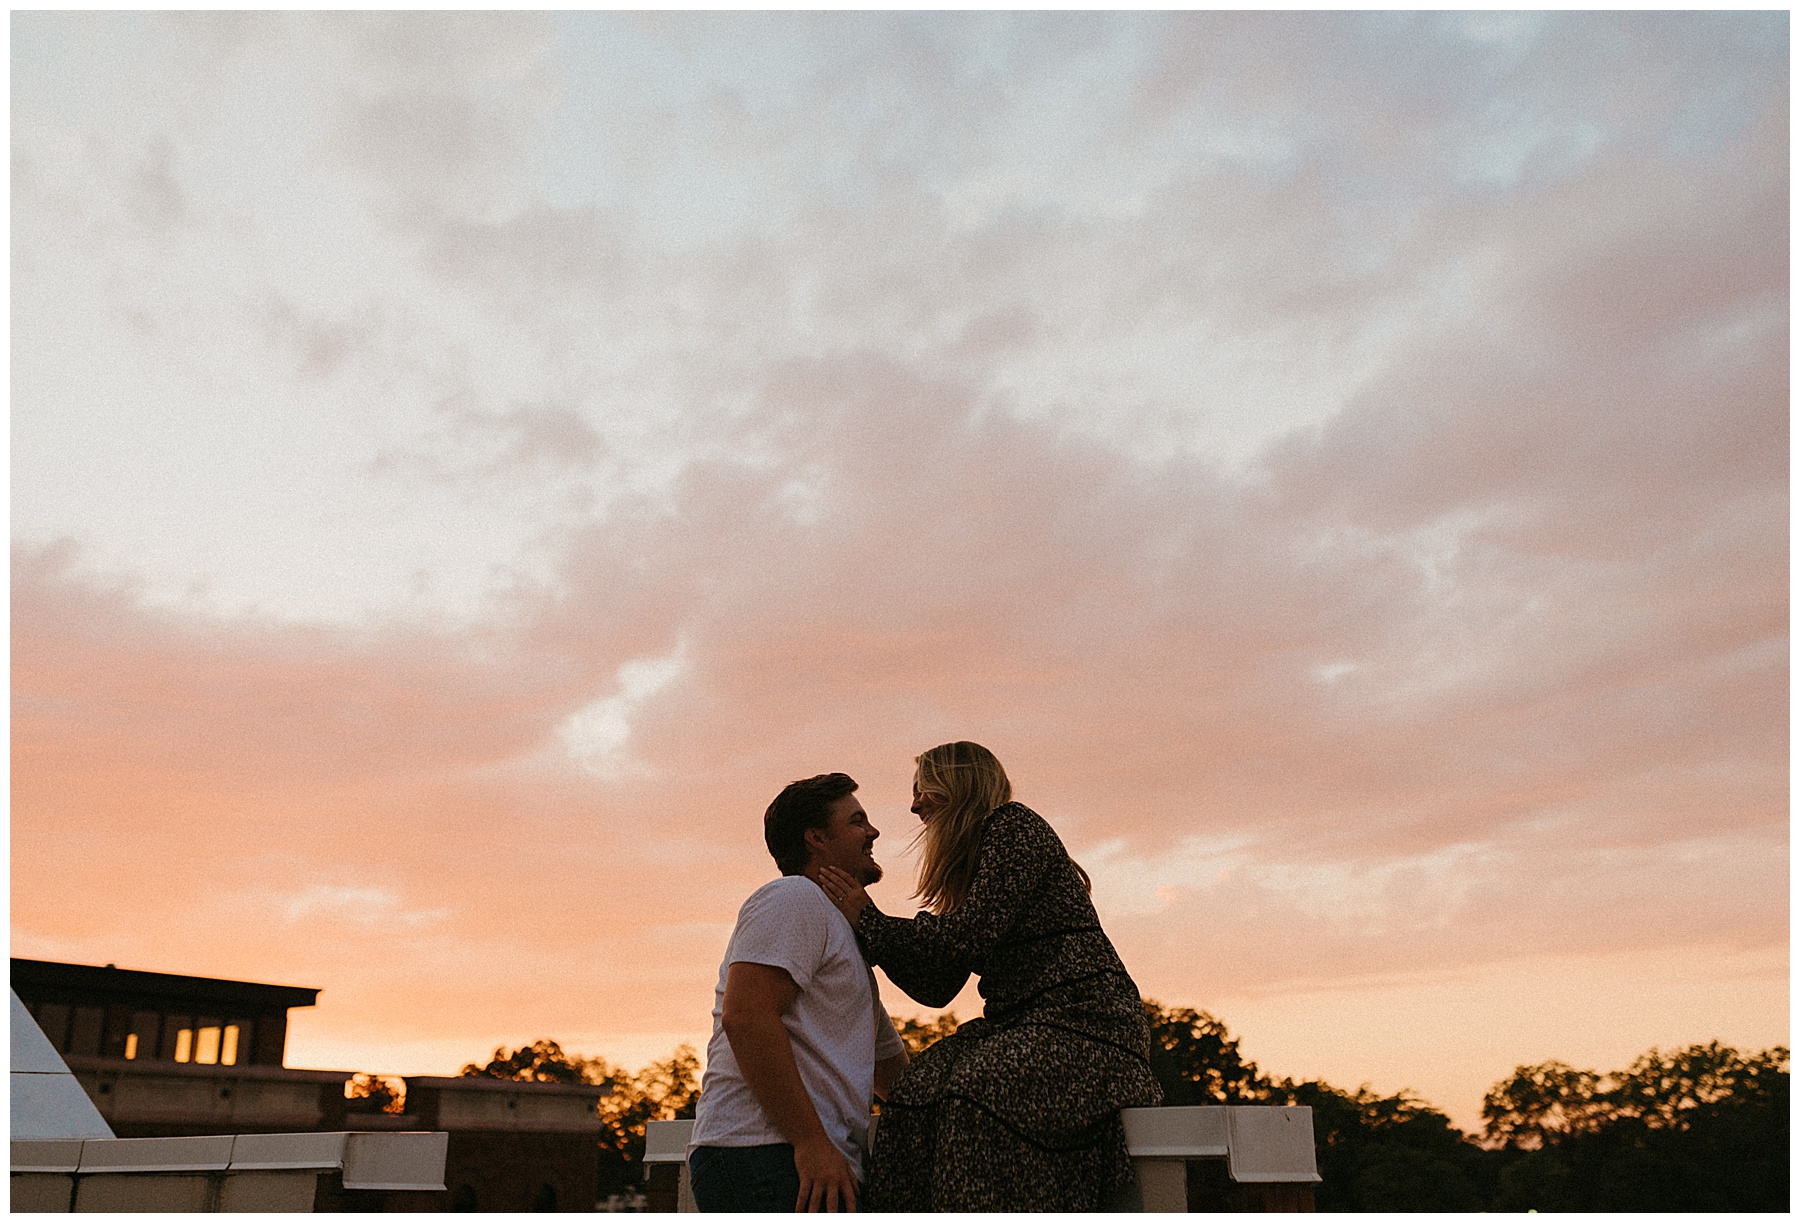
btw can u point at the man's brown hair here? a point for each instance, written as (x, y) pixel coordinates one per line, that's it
(804, 804)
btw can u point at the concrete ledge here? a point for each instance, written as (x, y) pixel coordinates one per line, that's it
(236, 1173)
(1267, 1148)
(46, 1154)
(1273, 1146)
(395, 1161)
(270, 1152)
(208, 1154)
(666, 1142)
(1264, 1143)
(1180, 1133)
(376, 1160)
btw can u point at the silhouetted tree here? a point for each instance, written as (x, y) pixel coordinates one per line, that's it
(1197, 1061)
(1703, 1128)
(374, 1093)
(542, 1061)
(1393, 1152)
(1544, 1103)
(919, 1034)
(1375, 1152)
(660, 1091)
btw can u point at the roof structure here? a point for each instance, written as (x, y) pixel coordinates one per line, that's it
(103, 984)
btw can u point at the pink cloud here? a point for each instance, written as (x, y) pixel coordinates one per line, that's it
(1474, 652)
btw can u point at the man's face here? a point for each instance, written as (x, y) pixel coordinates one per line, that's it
(847, 842)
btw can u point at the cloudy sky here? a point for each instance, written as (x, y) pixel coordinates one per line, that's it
(463, 466)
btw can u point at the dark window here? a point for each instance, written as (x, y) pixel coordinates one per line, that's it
(140, 1041)
(53, 1017)
(85, 1030)
(245, 1044)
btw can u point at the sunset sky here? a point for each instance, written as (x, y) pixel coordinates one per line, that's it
(464, 465)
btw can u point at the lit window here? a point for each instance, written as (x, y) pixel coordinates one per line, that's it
(130, 1045)
(206, 1046)
(184, 1044)
(228, 1051)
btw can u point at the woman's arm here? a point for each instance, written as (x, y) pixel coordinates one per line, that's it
(886, 1071)
(930, 956)
(926, 981)
(933, 984)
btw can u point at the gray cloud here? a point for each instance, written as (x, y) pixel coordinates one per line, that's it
(1337, 460)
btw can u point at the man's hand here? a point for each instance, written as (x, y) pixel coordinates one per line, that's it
(756, 995)
(826, 1182)
(850, 897)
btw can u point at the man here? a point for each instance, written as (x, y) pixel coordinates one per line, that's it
(801, 1042)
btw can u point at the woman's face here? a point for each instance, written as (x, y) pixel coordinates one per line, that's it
(924, 805)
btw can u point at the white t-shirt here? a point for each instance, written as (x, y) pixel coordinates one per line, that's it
(837, 1026)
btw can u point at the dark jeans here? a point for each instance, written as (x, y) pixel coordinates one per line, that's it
(741, 1180)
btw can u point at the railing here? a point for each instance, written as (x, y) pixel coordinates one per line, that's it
(1241, 1157)
(229, 1172)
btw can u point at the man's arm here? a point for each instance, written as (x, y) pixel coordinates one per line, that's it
(755, 997)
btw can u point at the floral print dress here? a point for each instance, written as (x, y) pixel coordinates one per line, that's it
(1018, 1110)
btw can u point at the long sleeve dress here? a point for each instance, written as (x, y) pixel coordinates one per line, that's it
(1018, 1110)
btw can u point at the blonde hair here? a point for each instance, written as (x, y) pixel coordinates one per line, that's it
(967, 783)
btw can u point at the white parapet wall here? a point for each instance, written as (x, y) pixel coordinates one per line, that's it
(229, 1172)
(1262, 1145)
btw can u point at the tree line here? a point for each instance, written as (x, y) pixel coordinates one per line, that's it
(1701, 1128)
(661, 1091)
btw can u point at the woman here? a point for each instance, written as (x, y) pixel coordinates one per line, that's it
(1018, 1110)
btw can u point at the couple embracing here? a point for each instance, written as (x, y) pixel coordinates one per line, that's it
(1018, 1110)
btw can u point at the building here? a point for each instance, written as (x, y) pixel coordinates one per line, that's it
(123, 1015)
(163, 1055)
(513, 1146)
(67, 1160)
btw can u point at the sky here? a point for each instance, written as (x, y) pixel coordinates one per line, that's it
(464, 465)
